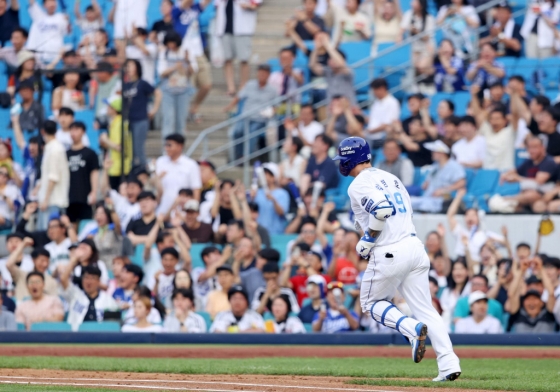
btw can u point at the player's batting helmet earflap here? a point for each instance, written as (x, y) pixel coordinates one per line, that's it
(351, 152)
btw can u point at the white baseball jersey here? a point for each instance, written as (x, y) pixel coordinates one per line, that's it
(370, 187)
(227, 322)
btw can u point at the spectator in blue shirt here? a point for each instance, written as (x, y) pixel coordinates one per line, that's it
(273, 203)
(486, 71)
(320, 167)
(129, 279)
(449, 73)
(335, 318)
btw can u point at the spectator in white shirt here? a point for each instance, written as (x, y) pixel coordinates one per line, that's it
(538, 28)
(383, 112)
(479, 321)
(88, 23)
(306, 129)
(126, 15)
(283, 322)
(350, 25)
(9, 54)
(470, 151)
(293, 167)
(183, 318)
(463, 28)
(55, 176)
(176, 171)
(395, 164)
(47, 30)
(240, 318)
(9, 194)
(145, 52)
(142, 308)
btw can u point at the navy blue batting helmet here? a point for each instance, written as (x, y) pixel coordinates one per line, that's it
(351, 152)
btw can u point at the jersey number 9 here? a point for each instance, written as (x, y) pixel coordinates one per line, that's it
(398, 201)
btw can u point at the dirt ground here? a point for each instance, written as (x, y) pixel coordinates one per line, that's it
(186, 351)
(179, 382)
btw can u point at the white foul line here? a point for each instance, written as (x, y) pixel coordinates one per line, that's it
(199, 382)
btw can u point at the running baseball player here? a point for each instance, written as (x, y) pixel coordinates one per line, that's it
(397, 259)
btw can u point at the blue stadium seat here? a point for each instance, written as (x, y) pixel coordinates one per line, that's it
(436, 99)
(339, 195)
(482, 185)
(196, 250)
(521, 155)
(355, 51)
(206, 317)
(508, 189)
(54, 326)
(528, 69)
(308, 327)
(280, 243)
(138, 257)
(20, 327)
(104, 326)
(510, 64)
(550, 74)
(268, 316)
(470, 174)
(461, 100)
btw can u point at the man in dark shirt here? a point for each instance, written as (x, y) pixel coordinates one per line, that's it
(9, 19)
(198, 232)
(84, 169)
(547, 124)
(504, 35)
(165, 25)
(307, 22)
(137, 230)
(320, 167)
(413, 142)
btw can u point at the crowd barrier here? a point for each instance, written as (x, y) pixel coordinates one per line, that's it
(317, 339)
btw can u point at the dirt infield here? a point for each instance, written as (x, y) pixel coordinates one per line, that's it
(178, 382)
(267, 351)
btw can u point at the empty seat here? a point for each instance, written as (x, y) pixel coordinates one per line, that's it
(49, 327)
(104, 326)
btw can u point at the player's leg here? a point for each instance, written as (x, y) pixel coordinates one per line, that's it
(415, 290)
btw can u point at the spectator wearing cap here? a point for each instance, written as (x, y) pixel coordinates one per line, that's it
(55, 177)
(306, 265)
(39, 305)
(479, 321)
(479, 284)
(395, 164)
(138, 229)
(198, 232)
(252, 278)
(533, 316)
(315, 287)
(130, 277)
(41, 258)
(448, 176)
(240, 318)
(334, 317)
(504, 34)
(486, 70)
(204, 278)
(384, 111)
(7, 319)
(89, 303)
(254, 94)
(32, 113)
(320, 167)
(218, 299)
(535, 177)
(176, 171)
(25, 72)
(65, 119)
(263, 296)
(183, 317)
(282, 321)
(538, 29)
(142, 309)
(273, 201)
(414, 143)
(470, 151)
(165, 277)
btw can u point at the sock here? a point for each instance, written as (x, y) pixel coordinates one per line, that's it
(387, 314)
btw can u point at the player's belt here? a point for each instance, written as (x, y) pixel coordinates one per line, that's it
(413, 234)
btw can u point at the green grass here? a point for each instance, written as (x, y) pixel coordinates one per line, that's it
(542, 375)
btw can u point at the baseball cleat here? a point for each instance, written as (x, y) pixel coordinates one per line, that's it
(449, 377)
(419, 343)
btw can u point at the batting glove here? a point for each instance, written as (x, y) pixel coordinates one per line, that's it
(365, 246)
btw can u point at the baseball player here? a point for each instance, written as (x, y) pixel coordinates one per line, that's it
(397, 259)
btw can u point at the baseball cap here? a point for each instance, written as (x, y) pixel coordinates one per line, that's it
(271, 255)
(224, 267)
(477, 296)
(272, 168)
(237, 289)
(207, 164)
(533, 280)
(192, 205)
(531, 293)
(503, 4)
(437, 146)
(316, 279)
(115, 102)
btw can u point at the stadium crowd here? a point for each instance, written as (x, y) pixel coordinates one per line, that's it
(95, 235)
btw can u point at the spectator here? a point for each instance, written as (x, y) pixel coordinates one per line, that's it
(198, 232)
(315, 287)
(235, 25)
(9, 54)
(7, 319)
(504, 34)
(221, 210)
(551, 267)
(55, 176)
(480, 320)
(254, 94)
(384, 111)
(345, 262)
(219, 299)
(90, 22)
(165, 277)
(415, 143)
(138, 229)
(307, 129)
(174, 70)
(142, 308)
(264, 295)
(470, 151)
(339, 77)
(85, 254)
(84, 175)
(244, 256)
(63, 134)
(126, 207)
(500, 289)
(106, 86)
(479, 284)
(108, 234)
(129, 279)
(287, 79)
(534, 176)
(69, 94)
(458, 286)
(434, 289)
(418, 106)
(486, 71)
(345, 121)
(350, 25)
(448, 69)
(165, 25)
(9, 20)
(137, 92)
(42, 306)
(415, 21)
(48, 29)
(252, 278)
(71, 62)
(320, 167)
(10, 197)
(283, 322)
(462, 30)
(387, 23)
(40, 258)
(23, 261)
(126, 15)
(143, 53)
(538, 28)
(157, 313)
(335, 318)
(273, 201)
(6, 303)
(293, 166)
(440, 270)
(89, 303)
(240, 318)
(451, 133)
(395, 164)
(310, 238)
(25, 72)
(32, 113)
(308, 23)
(183, 318)
(204, 278)
(533, 316)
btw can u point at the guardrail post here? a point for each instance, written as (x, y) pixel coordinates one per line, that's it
(246, 153)
(205, 148)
